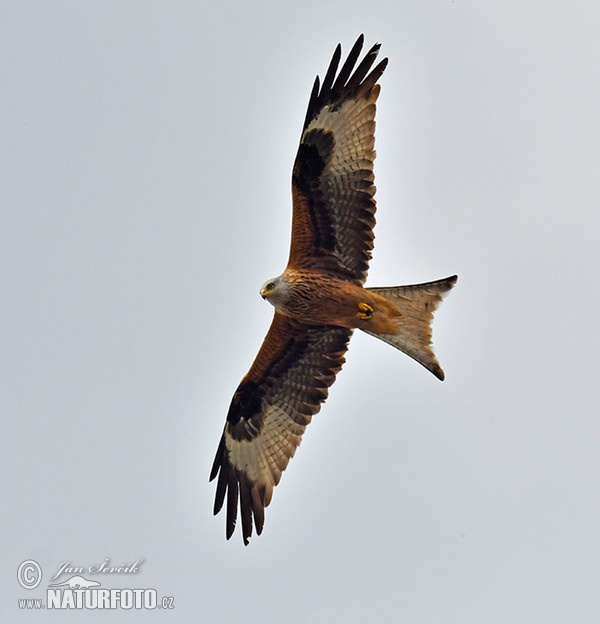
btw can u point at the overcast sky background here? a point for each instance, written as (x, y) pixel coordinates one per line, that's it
(146, 158)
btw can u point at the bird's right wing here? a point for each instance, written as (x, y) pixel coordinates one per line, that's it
(269, 412)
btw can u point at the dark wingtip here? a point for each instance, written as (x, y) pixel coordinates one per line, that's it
(349, 81)
(214, 471)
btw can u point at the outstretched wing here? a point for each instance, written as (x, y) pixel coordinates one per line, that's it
(332, 180)
(268, 414)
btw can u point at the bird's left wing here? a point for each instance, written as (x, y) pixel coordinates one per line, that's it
(269, 412)
(332, 179)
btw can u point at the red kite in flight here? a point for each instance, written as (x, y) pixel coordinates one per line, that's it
(319, 299)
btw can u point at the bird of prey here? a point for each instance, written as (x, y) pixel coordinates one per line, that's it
(319, 299)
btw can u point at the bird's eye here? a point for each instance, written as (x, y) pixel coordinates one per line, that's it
(270, 285)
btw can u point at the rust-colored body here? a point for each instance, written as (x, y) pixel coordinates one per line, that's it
(314, 299)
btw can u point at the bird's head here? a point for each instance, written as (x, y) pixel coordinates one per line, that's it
(274, 290)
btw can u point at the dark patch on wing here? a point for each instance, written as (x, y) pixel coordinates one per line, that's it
(314, 152)
(244, 412)
(245, 417)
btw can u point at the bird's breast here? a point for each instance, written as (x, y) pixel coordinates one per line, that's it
(321, 299)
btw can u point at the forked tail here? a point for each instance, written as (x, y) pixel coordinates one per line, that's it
(417, 303)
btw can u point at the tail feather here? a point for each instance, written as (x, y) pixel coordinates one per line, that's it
(417, 303)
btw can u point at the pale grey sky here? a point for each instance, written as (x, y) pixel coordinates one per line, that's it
(146, 161)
